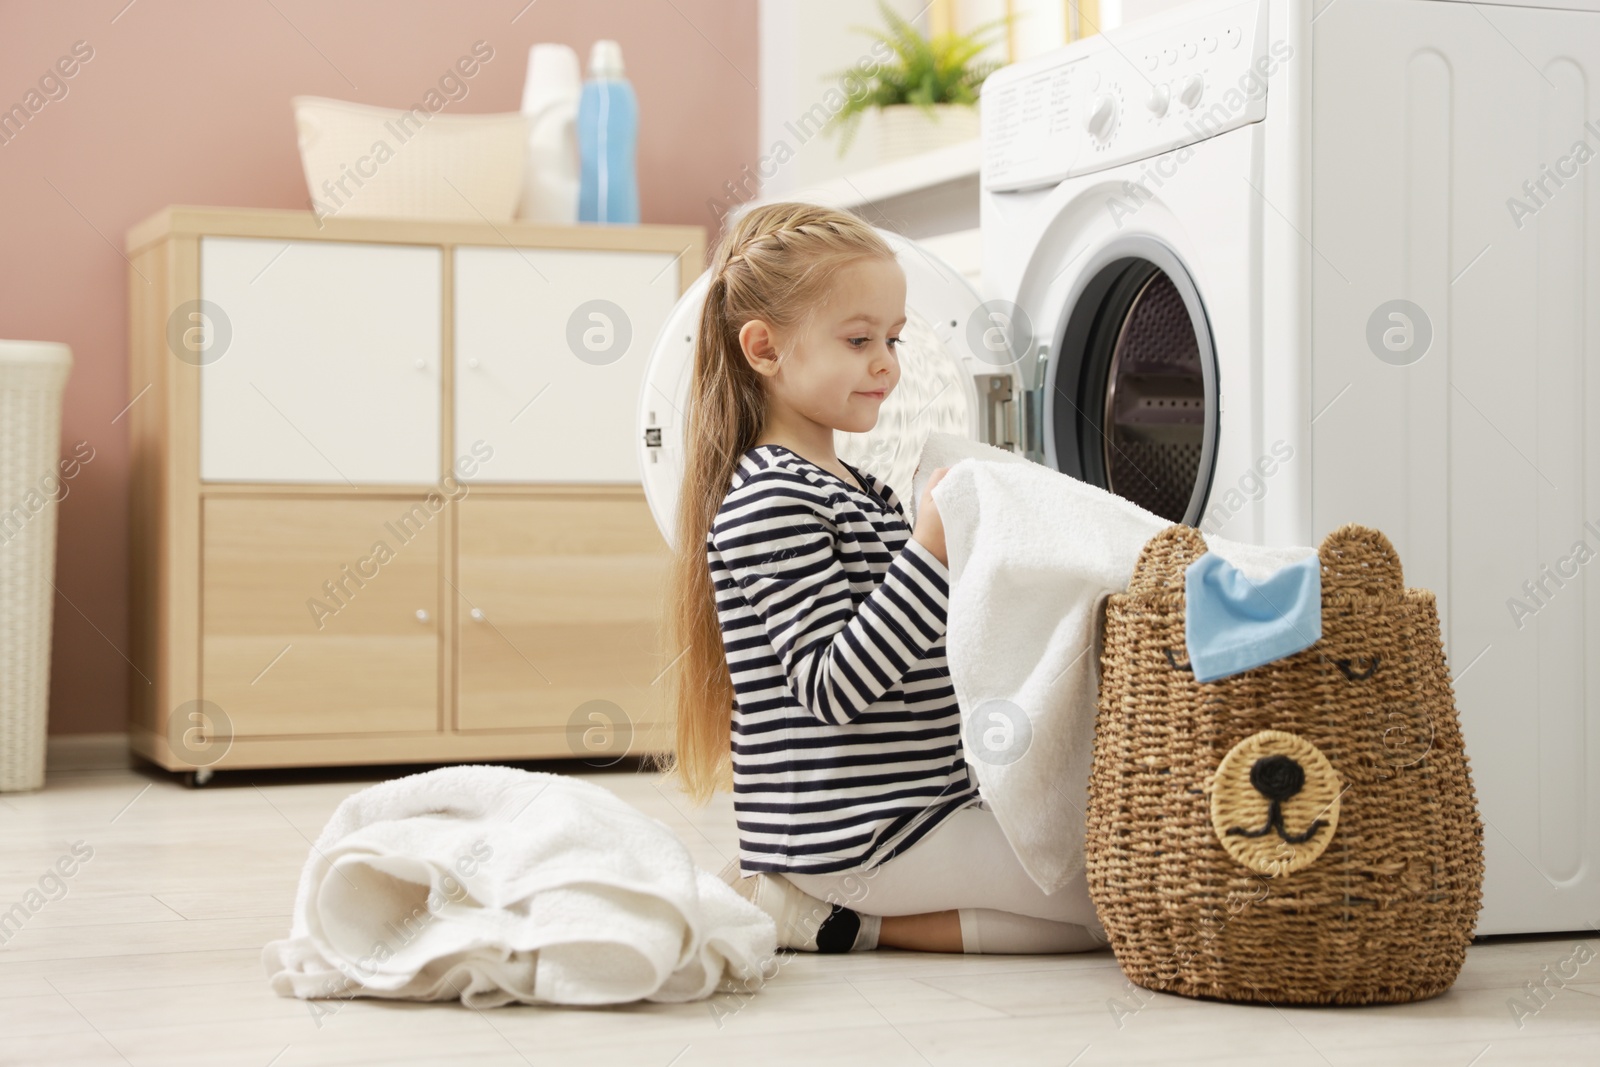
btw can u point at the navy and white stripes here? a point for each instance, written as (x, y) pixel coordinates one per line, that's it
(846, 734)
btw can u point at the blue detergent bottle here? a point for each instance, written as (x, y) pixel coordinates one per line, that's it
(608, 131)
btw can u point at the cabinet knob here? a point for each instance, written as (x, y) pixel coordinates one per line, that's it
(473, 362)
(421, 364)
(422, 614)
(477, 614)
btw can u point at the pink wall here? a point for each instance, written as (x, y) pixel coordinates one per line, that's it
(187, 102)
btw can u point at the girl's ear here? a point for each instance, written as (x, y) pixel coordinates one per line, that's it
(759, 346)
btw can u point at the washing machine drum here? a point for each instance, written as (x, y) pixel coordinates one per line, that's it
(1134, 395)
(941, 376)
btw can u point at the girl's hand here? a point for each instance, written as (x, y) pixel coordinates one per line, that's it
(929, 530)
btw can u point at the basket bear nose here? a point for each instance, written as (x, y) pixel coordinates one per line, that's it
(1277, 777)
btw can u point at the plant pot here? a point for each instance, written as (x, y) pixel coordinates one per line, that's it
(908, 130)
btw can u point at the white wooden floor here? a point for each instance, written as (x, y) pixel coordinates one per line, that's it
(152, 956)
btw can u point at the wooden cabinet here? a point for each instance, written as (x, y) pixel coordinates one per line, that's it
(385, 500)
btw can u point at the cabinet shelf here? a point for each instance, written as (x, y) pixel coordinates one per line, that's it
(347, 547)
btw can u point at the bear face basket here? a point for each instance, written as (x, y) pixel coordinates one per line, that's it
(1304, 831)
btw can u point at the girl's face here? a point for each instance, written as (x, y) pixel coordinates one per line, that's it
(842, 363)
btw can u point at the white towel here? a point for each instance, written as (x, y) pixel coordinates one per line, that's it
(494, 884)
(1033, 555)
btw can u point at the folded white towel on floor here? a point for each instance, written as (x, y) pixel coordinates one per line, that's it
(494, 884)
(1033, 555)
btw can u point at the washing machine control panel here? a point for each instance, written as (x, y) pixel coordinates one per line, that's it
(1133, 92)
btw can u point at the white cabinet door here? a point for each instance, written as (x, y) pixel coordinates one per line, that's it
(322, 361)
(550, 348)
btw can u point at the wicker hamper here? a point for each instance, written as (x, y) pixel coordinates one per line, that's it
(32, 376)
(1303, 832)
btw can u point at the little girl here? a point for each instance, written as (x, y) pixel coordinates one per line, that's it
(813, 617)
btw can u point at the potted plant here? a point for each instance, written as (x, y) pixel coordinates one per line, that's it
(926, 95)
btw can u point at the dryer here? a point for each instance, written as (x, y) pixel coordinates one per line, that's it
(1248, 265)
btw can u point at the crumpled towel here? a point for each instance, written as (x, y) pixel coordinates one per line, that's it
(494, 885)
(1034, 553)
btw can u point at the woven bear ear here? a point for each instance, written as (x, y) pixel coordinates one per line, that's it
(1360, 561)
(1164, 558)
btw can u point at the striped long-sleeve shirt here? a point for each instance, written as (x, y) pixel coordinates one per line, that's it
(846, 733)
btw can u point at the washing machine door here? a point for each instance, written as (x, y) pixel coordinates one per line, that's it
(961, 372)
(1131, 381)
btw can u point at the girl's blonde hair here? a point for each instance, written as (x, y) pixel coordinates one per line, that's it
(775, 264)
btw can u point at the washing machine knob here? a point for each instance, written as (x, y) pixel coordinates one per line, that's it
(1193, 86)
(1102, 116)
(1160, 97)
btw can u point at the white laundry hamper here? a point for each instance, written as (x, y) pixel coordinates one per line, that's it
(33, 375)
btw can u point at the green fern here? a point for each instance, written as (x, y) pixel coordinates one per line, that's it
(924, 71)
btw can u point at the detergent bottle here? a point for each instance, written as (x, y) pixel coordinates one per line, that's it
(608, 131)
(550, 102)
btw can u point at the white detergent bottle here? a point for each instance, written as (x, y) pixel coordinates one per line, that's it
(550, 103)
(608, 130)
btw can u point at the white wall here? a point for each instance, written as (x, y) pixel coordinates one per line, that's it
(1138, 9)
(804, 43)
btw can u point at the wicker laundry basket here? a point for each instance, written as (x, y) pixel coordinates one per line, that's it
(32, 377)
(1367, 887)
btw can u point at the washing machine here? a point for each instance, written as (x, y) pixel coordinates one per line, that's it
(1268, 267)
(1383, 210)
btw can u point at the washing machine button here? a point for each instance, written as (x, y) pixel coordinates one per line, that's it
(1160, 97)
(1102, 117)
(1193, 89)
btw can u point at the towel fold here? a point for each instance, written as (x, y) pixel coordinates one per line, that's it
(1033, 555)
(1231, 623)
(493, 885)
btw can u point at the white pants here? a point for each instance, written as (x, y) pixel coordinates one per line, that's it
(966, 863)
